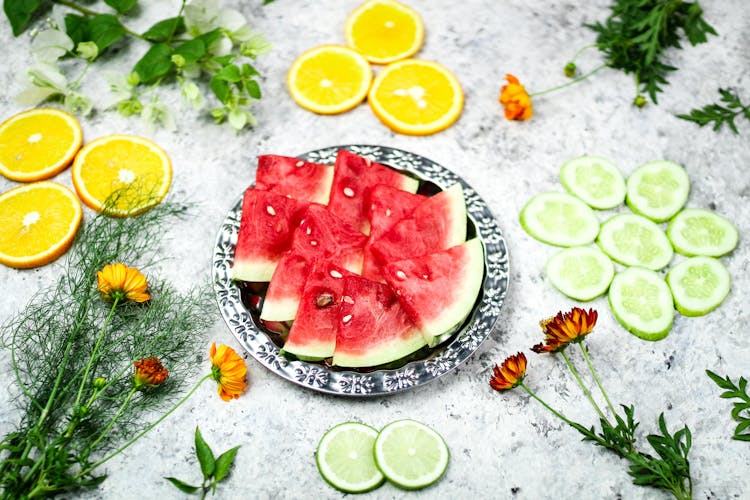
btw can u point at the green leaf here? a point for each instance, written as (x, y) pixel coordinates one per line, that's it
(163, 30)
(224, 463)
(20, 12)
(205, 455)
(230, 73)
(253, 89)
(191, 50)
(248, 70)
(121, 6)
(220, 89)
(104, 30)
(210, 37)
(155, 63)
(77, 28)
(182, 486)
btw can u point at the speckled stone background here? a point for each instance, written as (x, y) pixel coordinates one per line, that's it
(502, 445)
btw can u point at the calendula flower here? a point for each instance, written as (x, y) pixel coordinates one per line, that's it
(149, 372)
(118, 281)
(564, 329)
(515, 99)
(510, 374)
(229, 371)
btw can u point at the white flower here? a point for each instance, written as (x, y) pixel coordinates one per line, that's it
(48, 75)
(158, 113)
(238, 118)
(78, 103)
(255, 46)
(201, 16)
(221, 47)
(50, 45)
(35, 95)
(119, 89)
(192, 94)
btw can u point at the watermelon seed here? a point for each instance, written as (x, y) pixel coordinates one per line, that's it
(299, 163)
(270, 210)
(368, 162)
(388, 212)
(349, 192)
(314, 243)
(347, 299)
(336, 274)
(308, 230)
(324, 299)
(425, 276)
(346, 319)
(401, 275)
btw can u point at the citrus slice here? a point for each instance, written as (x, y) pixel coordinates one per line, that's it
(134, 168)
(345, 460)
(597, 181)
(329, 79)
(416, 97)
(581, 273)
(632, 240)
(410, 454)
(658, 190)
(699, 285)
(38, 223)
(38, 144)
(559, 219)
(642, 303)
(384, 31)
(695, 231)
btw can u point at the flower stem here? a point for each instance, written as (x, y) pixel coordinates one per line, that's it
(75, 6)
(582, 50)
(596, 377)
(543, 403)
(114, 419)
(567, 84)
(583, 387)
(174, 24)
(94, 352)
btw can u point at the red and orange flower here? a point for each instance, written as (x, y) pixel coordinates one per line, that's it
(149, 372)
(566, 328)
(118, 281)
(229, 371)
(510, 373)
(515, 100)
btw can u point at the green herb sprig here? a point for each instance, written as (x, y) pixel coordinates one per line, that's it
(719, 114)
(741, 408)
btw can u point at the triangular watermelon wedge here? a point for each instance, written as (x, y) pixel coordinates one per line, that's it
(266, 227)
(439, 290)
(373, 328)
(353, 178)
(299, 179)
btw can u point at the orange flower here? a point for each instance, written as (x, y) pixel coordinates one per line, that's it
(229, 371)
(515, 99)
(510, 374)
(149, 372)
(118, 281)
(565, 329)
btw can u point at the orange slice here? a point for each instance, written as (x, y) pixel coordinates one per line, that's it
(38, 144)
(329, 79)
(38, 223)
(416, 97)
(384, 31)
(134, 168)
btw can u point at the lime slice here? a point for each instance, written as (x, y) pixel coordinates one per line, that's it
(595, 180)
(642, 303)
(345, 460)
(658, 190)
(633, 240)
(581, 273)
(410, 454)
(699, 285)
(695, 231)
(559, 219)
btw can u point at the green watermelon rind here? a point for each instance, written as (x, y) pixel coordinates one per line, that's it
(382, 353)
(257, 271)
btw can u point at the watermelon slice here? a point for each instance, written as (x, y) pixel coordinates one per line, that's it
(436, 224)
(353, 178)
(373, 328)
(313, 333)
(321, 234)
(266, 227)
(439, 290)
(295, 178)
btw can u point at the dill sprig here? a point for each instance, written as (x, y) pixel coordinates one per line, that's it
(730, 107)
(77, 394)
(741, 408)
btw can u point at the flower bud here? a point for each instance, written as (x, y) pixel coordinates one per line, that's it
(99, 383)
(640, 101)
(570, 69)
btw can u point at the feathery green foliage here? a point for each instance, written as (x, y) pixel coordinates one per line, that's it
(730, 107)
(741, 408)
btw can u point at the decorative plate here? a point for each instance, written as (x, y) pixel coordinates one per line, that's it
(429, 364)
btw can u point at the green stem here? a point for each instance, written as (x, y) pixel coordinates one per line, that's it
(93, 354)
(75, 6)
(582, 50)
(543, 403)
(113, 420)
(596, 377)
(571, 82)
(583, 387)
(174, 24)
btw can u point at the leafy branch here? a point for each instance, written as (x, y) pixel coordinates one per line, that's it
(720, 114)
(741, 409)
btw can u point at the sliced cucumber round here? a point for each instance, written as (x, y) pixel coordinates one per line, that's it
(559, 219)
(658, 190)
(642, 303)
(581, 273)
(597, 181)
(633, 240)
(695, 231)
(699, 285)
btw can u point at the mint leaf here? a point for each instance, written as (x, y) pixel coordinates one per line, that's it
(77, 28)
(154, 64)
(191, 50)
(121, 6)
(182, 486)
(224, 463)
(220, 89)
(19, 13)
(205, 455)
(104, 30)
(163, 30)
(230, 73)
(253, 89)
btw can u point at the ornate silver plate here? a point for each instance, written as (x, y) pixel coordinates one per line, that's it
(429, 364)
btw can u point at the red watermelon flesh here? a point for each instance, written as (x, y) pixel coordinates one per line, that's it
(266, 227)
(437, 223)
(439, 290)
(353, 178)
(299, 179)
(373, 328)
(313, 333)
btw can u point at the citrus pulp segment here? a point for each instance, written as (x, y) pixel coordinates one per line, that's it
(345, 460)
(559, 219)
(384, 31)
(642, 303)
(699, 285)
(410, 454)
(597, 181)
(38, 143)
(658, 190)
(38, 223)
(581, 273)
(696, 231)
(329, 79)
(416, 97)
(633, 240)
(130, 173)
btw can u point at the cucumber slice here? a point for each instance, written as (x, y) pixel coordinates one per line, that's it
(633, 240)
(658, 190)
(559, 219)
(345, 460)
(595, 180)
(581, 273)
(699, 285)
(695, 231)
(642, 303)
